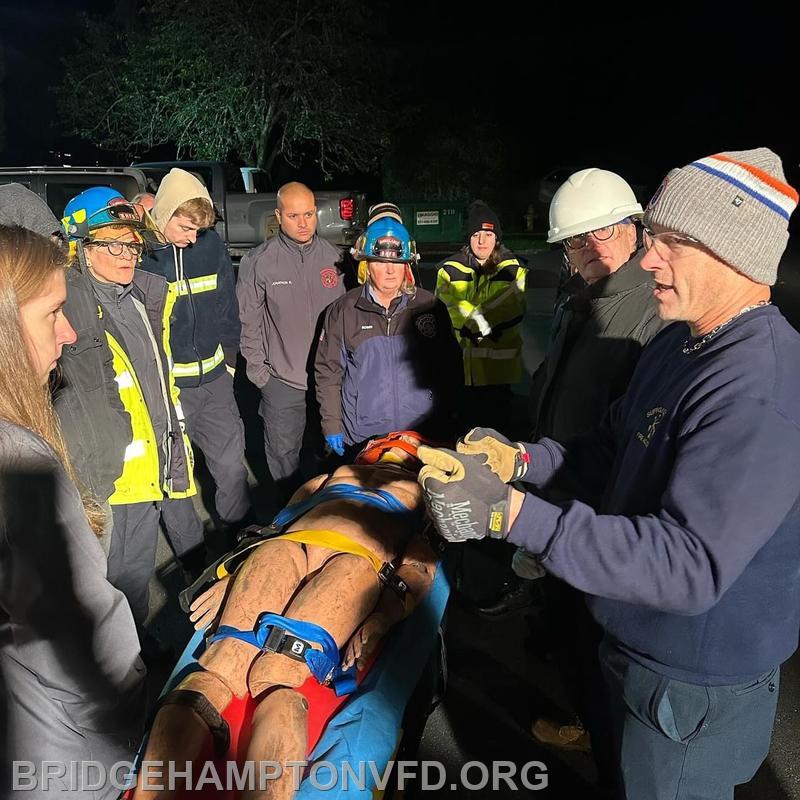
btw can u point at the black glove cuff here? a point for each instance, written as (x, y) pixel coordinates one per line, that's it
(521, 463)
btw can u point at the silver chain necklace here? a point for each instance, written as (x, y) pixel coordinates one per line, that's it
(711, 334)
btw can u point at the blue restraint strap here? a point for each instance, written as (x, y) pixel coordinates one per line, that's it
(324, 664)
(379, 498)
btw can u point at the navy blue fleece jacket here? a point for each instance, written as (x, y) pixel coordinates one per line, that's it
(204, 324)
(692, 560)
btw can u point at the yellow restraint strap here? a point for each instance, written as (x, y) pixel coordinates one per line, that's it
(335, 541)
(331, 539)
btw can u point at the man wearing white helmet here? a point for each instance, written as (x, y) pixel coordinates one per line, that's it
(610, 315)
(598, 334)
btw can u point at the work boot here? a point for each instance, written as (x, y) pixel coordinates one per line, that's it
(515, 598)
(565, 737)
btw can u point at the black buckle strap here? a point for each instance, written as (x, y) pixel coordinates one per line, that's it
(285, 644)
(247, 539)
(389, 578)
(255, 531)
(435, 542)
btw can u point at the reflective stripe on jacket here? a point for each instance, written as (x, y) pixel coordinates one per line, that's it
(142, 479)
(139, 481)
(174, 470)
(486, 312)
(179, 469)
(202, 313)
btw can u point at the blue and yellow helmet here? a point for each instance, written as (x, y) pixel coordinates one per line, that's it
(95, 208)
(386, 239)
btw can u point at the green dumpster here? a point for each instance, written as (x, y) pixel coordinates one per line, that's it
(434, 222)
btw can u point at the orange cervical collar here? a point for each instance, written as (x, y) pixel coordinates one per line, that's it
(377, 448)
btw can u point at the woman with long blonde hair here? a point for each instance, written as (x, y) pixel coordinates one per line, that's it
(70, 669)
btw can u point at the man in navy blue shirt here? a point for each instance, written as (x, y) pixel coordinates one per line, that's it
(689, 550)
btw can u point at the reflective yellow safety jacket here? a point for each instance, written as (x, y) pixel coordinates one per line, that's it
(150, 472)
(486, 311)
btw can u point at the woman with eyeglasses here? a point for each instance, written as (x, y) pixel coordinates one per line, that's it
(117, 399)
(70, 670)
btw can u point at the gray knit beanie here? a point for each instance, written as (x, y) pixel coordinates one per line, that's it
(737, 204)
(20, 206)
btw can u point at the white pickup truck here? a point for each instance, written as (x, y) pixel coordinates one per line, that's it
(248, 211)
(246, 218)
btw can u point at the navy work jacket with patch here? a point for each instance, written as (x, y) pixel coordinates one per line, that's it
(380, 370)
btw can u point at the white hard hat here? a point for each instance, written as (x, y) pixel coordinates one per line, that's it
(588, 200)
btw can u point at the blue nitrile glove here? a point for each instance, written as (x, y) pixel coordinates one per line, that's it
(336, 443)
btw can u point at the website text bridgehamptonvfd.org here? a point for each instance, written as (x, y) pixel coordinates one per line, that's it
(256, 775)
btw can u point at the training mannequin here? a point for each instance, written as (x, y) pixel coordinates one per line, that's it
(329, 586)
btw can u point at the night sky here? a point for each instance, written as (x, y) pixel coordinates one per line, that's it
(635, 91)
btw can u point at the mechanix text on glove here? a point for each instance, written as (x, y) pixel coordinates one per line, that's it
(465, 499)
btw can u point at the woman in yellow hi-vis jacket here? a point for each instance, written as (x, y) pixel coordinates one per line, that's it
(483, 287)
(119, 314)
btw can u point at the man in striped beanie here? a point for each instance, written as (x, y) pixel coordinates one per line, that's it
(736, 204)
(686, 543)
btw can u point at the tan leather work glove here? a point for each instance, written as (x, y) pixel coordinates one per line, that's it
(508, 460)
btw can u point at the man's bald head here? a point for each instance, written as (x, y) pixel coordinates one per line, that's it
(297, 212)
(294, 190)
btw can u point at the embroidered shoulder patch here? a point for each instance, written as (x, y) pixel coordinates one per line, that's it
(426, 325)
(653, 417)
(329, 277)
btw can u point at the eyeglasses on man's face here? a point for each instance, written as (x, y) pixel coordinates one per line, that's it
(579, 240)
(666, 242)
(115, 248)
